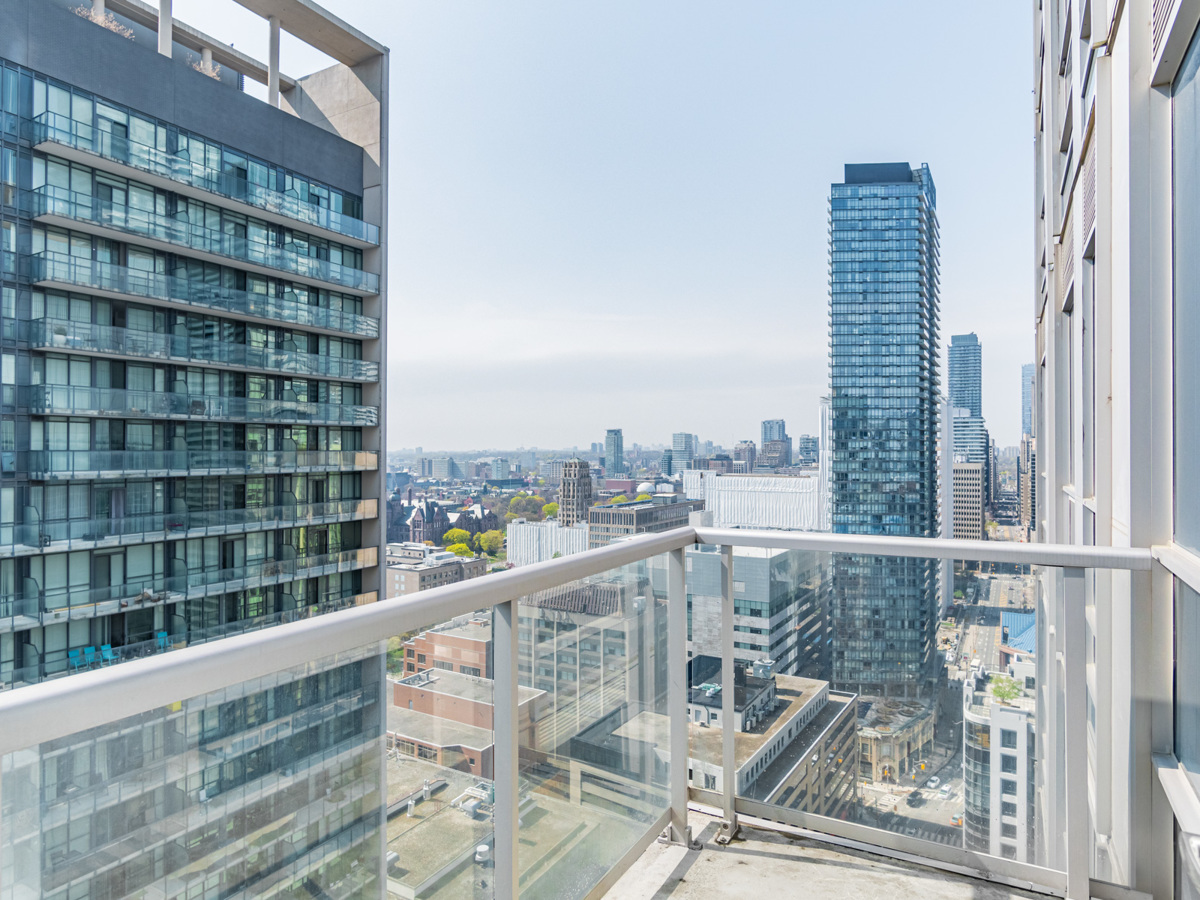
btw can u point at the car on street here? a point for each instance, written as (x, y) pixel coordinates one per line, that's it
(956, 820)
(915, 799)
(933, 782)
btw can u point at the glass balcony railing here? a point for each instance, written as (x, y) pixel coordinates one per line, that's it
(56, 334)
(178, 167)
(72, 400)
(71, 271)
(34, 605)
(178, 231)
(79, 534)
(51, 465)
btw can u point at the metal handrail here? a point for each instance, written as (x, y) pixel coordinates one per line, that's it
(54, 709)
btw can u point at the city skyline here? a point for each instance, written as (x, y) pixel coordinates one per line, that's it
(515, 198)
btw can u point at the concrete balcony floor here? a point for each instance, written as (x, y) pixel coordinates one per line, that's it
(773, 865)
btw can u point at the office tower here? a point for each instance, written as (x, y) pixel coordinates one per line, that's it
(575, 492)
(1116, 421)
(614, 452)
(667, 466)
(774, 430)
(1027, 376)
(683, 449)
(966, 373)
(968, 501)
(1027, 484)
(883, 252)
(774, 455)
(193, 352)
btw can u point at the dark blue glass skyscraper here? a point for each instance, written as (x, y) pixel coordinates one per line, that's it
(883, 310)
(966, 373)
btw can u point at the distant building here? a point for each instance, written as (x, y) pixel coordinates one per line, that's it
(895, 736)
(808, 450)
(775, 455)
(968, 501)
(966, 373)
(574, 493)
(445, 468)
(746, 452)
(667, 465)
(614, 452)
(774, 430)
(428, 522)
(1027, 483)
(1000, 762)
(609, 523)
(533, 542)
(973, 443)
(683, 448)
(408, 575)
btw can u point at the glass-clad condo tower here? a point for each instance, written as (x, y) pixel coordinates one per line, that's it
(190, 334)
(883, 310)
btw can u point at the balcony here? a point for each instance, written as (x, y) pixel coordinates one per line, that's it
(62, 136)
(92, 534)
(564, 790)
(78, 337)
(87, 465)
(73, 400)
(71, 209)
(37, 606)
(72, 273)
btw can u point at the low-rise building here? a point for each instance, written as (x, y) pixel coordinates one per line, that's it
(408, 573)
(533, 542)
(615, 521)
(789, 502)
(999, 754)
(895, 738)
(463, 646)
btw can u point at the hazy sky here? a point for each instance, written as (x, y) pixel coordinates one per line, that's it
(614, 214)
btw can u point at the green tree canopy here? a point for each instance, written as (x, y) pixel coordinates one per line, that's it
(456, 536)
(461, 550)
(491, 542)
(640, 497)
(550, 510)
(1004, 688)
(620, 498)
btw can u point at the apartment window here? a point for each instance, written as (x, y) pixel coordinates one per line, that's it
(1008, 809)
(1008, 830)
(1008, 787)
(1008, 851)
(469, 670)
(1008, 764)
(442, 664)
(1186, 213)
(1008, 739)
(421, 658)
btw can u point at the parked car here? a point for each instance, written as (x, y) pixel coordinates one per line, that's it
(933, 782)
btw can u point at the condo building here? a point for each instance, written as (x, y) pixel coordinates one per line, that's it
(192, 287)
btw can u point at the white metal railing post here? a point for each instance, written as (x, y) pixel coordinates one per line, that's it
(728, 700)
(677, 692)
(1075, 761)
(507, 750)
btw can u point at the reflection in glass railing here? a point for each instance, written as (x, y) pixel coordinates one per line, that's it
(62, 335)
(60, 129)
(74, 400)
(72, 271)
(54, 201)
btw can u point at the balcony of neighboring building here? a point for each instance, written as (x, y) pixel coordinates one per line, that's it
(65, 137)
(91, 465)
(121, 282)
(103, 340)
(96, 533)
(76, 400)
(263, 253)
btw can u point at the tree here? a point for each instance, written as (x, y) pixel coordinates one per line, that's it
(456, 536)
(620, 498)
(641, 497)
(550, 510)
(491, 542)
(461, 550)
(1004, 688)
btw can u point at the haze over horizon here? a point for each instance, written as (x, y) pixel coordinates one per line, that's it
(614, 215)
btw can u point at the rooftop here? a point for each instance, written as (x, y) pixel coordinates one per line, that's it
(436, 731)
(466, 687)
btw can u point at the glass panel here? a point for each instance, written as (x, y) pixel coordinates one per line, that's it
(593, 780)
(1187, 679)
(270, 785)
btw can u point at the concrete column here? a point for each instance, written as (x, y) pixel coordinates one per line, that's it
(273, 63)
(206, 59)
(166, 27)
(98, 9)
